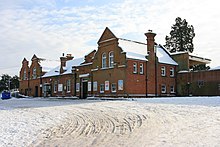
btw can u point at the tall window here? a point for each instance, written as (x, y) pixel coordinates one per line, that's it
(163, 89)
(141, 68)
(55, 87)
(25, 75)
(34, 73)
(171, 72)
(163, 71)
(134, 67)
(68, 85)
(104, 60)
(111, 59)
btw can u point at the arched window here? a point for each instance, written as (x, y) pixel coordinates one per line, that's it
(104, 60)
(111, 59)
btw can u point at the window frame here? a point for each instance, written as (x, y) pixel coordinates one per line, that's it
(134, 67)
(102, 88)
(111, 59)
(25, 75)
(163, 88)
(104, 60)
(163, 71)
(172, 72)
(34, 74)
(172, 89)
(141, 68)
(114, 91)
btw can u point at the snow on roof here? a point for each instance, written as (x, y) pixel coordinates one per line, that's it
(69, 64)
(164, 57)
(215, 68)
(138, 50)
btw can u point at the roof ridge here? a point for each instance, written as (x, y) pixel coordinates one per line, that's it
(133, 41)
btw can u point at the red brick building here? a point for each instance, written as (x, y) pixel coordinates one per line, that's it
(118, 68)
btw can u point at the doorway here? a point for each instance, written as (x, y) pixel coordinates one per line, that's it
(36, 91)
(84, 90)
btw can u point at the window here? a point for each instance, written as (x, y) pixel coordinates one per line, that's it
(60, 87)
(113, 87)
(94, 86)
(111, 59)
(135, 67)
(200, 83)
(172, 89)
(120, 84)
(103, 60)
(141, 68)
(171, 72)
(34, 73)
(163, 89)
(55, 87)
(163, 71)
(89, 86)
(68, 85)
(102, 87)
(25, 75)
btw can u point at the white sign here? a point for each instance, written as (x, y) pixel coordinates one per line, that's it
(106, 85)
(89, 86)
(60, 87)
(120, 84)
(95, 86)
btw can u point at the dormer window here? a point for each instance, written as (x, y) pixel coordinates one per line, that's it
(111, 59)
(104, 60)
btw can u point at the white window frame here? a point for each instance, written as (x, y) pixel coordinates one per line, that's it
(111, 59)
(115, 88)
(77, 87)
(34, 74)
(141, 68)
(104, 60)
(163, 71)
(102, 88)
(172, 89)
(171, 72)
(68, 85)
(55, 87)
(135, 67)
(163, 88)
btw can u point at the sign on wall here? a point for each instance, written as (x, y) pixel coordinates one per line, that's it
(95, 86)
(120, 84)
(89, 86)
(60, 87)
(106, 85)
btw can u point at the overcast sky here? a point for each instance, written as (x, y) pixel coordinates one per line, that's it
(49, 28)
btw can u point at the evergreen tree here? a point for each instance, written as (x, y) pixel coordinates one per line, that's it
(181, 37)
(7, 82)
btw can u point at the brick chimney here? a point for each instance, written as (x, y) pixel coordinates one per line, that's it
(63, 60)
(151, 64)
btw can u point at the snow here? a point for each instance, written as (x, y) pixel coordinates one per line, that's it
(176, 121)
(215, 68)
(138, 50)
(164, 57)
(69, 64)
(48, 65)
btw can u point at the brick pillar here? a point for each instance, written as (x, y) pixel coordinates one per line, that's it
(151, 65)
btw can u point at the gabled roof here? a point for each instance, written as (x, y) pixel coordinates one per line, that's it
(106, 35)
(34, 57)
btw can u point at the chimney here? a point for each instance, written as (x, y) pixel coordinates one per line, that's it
(151, 64)
(150, 42)
(63, 61)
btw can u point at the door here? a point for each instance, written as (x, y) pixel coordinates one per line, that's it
(84, 90)
(36, 91)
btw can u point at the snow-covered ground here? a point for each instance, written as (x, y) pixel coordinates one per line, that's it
(191, 121)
